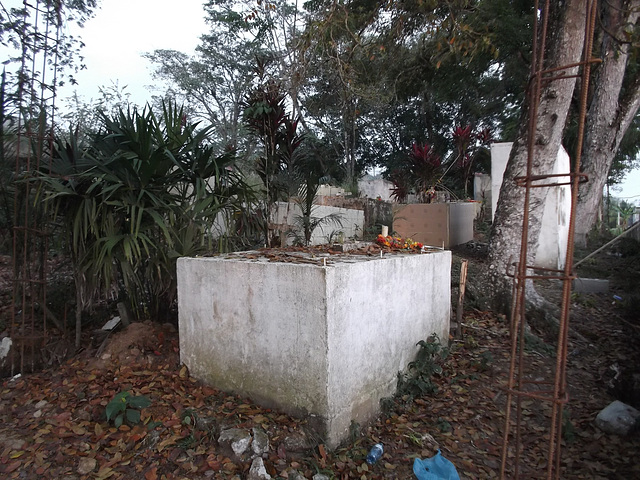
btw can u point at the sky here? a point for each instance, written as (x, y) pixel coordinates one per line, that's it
(630, 188)
(121, 31)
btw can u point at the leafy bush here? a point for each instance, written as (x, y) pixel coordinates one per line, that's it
(147, 190)
(418, 380)
(124, 407)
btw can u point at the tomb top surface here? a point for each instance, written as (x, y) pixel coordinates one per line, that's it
(324, 255)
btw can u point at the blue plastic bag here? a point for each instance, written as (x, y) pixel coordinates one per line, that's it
(435, 468)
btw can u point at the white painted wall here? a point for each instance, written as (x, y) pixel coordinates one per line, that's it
(311, 339)
(352, 221)
(482, 187)
(554, 234)
(330, 191)
(374, 187)
(552, 248)
(499, 158)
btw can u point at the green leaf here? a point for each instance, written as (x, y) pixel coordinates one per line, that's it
(139, 402)
(152, 425)
(114, 407)
(133, 416)
(118, 421)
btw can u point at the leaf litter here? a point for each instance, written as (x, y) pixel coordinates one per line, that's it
(53, 423)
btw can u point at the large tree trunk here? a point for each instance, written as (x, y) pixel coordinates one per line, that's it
(611, 110)
(564, 46)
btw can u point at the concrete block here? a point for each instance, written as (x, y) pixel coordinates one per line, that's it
(590, 285)
(436, 224)
(322, 338)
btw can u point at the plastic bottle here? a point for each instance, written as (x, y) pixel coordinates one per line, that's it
(374, 454)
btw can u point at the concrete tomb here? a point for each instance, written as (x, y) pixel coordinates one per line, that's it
(316, 336)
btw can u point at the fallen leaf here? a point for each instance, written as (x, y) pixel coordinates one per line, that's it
(86, 465)
(151, 474)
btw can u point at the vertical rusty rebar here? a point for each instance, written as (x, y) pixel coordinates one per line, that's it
(37, 79)
(516, 383)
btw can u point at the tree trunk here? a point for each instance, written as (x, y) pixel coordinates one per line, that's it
(610, 113)
(564, 46)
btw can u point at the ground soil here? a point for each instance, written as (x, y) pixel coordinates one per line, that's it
(52, 422)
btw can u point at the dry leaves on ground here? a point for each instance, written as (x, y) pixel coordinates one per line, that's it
(53, 423)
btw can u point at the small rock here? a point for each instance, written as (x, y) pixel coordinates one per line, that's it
(257, 470)
(238, 440)
(37, 414)
(320, 476)
(5, 347)
(295, 475)
(41, 404)
(297, 443)
(260, 444)
(86, 465)
(618, 418)
(11, 442)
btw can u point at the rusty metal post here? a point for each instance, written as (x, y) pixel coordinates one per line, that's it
(37, 78)
(518, 387)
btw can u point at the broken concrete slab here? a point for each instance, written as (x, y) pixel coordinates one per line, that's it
(590, 285)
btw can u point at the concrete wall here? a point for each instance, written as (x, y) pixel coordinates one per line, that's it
(374, 187)
(482, 190)
(352, 221)
(554, 232)
(311, 339)
(437, 224)
(499, 158)
(330, 191)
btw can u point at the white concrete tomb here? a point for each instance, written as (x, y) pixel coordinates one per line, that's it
(322, 337)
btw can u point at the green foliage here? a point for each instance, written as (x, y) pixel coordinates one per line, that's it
(418, 380)
(126, 408)
(585, 300)
(18, 27)
(288, 170)
(486, 358)
(144, 192)
(443, 425)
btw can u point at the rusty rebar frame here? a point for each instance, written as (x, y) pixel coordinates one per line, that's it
(37, 79)
(517, 384)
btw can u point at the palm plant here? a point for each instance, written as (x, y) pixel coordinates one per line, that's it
(310, 172)
(146, 191)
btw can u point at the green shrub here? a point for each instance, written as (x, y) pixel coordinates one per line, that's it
(418, 380)
(124, 407)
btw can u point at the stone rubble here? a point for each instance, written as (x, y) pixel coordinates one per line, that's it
(618, 418)
(252, 446)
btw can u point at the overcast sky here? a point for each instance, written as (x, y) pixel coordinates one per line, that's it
(121, 31)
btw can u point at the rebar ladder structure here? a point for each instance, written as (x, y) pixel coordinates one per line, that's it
(519, 387)
(36, 89)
